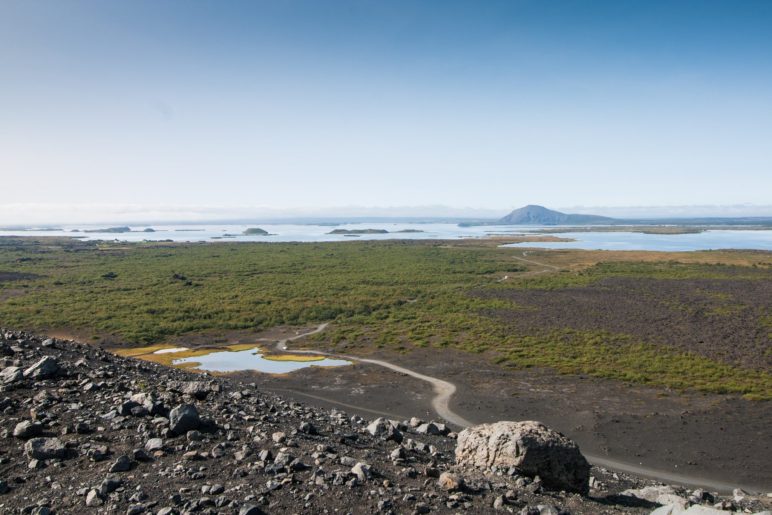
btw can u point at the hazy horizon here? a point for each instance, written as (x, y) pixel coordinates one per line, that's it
(21, 215)
(200, 106)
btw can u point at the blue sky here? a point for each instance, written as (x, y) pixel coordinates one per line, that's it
(305, 104)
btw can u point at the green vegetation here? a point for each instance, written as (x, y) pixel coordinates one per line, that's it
(396, 295)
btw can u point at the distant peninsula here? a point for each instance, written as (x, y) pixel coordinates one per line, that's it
(111, 230)
(357, 232)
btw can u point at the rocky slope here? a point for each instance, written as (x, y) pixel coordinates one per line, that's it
(84, 431)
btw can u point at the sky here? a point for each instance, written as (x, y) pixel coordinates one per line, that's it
(299, 105)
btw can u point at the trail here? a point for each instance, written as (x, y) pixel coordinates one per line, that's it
(545, 265)
(444, 391)
(282, 344)
(546, 268)
(665, 476)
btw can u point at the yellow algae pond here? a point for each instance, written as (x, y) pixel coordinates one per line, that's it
(230, 359)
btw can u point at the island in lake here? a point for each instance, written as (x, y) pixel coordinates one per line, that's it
(110, 230)
(255, 231)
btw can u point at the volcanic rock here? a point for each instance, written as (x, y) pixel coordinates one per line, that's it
(531, 447)
(45, 449)
(184, 418)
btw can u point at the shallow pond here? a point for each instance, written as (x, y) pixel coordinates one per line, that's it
(253, 359)
(232, 359)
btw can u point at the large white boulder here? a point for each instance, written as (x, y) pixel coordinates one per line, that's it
(531, 447)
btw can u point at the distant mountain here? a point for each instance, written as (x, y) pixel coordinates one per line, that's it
(539, 215)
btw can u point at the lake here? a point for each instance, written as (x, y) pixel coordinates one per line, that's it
(712, 239)
(708, 240)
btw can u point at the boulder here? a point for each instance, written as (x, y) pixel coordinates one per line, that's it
(530, 447)
(45, 449)
(45, 368)
(184, 418)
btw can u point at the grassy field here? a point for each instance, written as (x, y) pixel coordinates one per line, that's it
(390, 295)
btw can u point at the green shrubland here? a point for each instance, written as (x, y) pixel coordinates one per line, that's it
(392, 295)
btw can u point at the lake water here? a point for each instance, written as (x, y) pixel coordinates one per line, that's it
(254, 359)
(278, 232)
(708, 240)
(713, 239)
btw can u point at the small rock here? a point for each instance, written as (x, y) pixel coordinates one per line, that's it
(93, 499)
(122, 464)
(184, 418)
(450, 481)
(307, 428)
(384, 429)
(109, 484)
(11, 374)
(429, 428)
(398, 454)
(361, 471)
(45, 368)
(154, 444)
(27, 429)
(45, 449)
(140, 455)
(547, 509)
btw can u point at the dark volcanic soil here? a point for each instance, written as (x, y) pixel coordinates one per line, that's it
(717, 438)
(720, 319)
(114, 445)
(16, 276)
